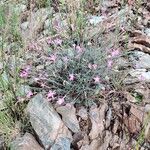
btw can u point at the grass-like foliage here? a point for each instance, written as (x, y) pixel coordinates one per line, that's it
(80, 74)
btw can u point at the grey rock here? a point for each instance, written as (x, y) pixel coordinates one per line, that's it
(36, 23)
(27, 142)
(96, 19)
(140, 60)
(46, 122)
(68, 114)
(121, 63)
(147, 31)
(24, 25)
(147, 108)
(83, 113)
(137, 75)
(62, 144)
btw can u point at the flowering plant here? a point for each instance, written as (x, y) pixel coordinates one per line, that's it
(79, 75)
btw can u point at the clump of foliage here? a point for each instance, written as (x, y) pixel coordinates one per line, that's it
(80, 75)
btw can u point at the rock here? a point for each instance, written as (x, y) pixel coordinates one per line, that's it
(27, 142)
(147, 108)
(95, 144)
(36, 23)
(46, 122)
(121, 63)
(147, 31)
(147, 132)
(24, 25)
(85, 142)
(140, 60)
(83, 113)
(69, 117)
(96, 19)
(40, 67)
(137, 75)
(107, 140)
(62, 144)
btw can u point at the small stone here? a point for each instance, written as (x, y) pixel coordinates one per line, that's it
(69, 117)
(147, 108)
(40, 67)
(61, 144)
(96, 19)
(147, 31)
(140, 60)
(138, 75)
(27, 142)
(46, 122)
(83, 113)
(24, 25)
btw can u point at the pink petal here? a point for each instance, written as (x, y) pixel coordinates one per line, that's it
(29, 94)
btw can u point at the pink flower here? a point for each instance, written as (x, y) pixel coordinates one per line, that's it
(24, 74)
(29, 94)
(53, 57)
(42, 85)
(90, 66)
(71, 77)
(109, 63)
(60, 100)
(51, 94)
(141, 78)
(115, 53)
(65, 59)
(49, 41)
(79, 49)
(94, 66)
(57, 41)
(96, 79)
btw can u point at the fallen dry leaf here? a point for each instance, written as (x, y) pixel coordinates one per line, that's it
(97, 116)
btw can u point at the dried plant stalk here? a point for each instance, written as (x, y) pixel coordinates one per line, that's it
(73, 6)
